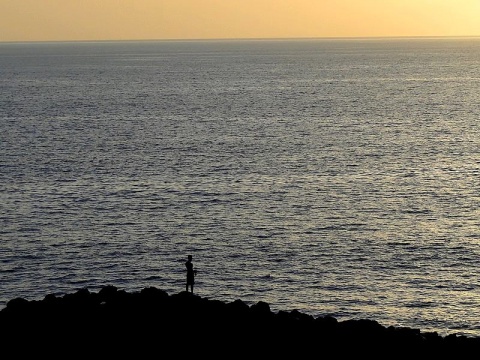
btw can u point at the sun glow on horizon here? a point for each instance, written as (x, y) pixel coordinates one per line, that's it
(58, 20)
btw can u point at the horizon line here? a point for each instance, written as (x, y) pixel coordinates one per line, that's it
(406, 37)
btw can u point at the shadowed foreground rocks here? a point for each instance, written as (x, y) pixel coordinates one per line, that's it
(116, 322)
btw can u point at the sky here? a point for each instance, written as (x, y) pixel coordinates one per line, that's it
(94, 20)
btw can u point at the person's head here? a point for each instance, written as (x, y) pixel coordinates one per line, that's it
(190, 257)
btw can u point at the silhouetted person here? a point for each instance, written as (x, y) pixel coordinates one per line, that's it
(190, 273)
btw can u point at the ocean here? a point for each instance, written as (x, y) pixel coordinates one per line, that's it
(334, 177)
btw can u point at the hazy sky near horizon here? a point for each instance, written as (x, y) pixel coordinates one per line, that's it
(64, 20)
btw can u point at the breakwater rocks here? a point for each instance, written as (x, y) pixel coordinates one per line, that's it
(116, 321)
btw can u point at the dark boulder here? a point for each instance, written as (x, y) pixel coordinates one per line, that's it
(115, 321)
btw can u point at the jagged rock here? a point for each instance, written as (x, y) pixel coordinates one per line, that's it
(113, 319)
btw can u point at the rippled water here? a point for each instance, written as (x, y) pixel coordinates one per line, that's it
(336, 177)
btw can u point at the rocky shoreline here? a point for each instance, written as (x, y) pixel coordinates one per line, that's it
(117, 322)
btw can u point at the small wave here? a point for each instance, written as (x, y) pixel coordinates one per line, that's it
(263, 236)
(419, 304)
(153, 277)
(422, 211)
(344, 227)
(29, 229)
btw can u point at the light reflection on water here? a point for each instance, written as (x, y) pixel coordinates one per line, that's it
(335, 178)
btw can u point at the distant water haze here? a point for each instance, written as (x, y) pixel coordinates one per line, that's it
(335, 177)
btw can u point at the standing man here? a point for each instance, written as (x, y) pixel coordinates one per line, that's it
(190, 273)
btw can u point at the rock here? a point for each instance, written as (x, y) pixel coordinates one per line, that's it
(116, 322)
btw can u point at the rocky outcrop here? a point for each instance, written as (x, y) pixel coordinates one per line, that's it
(117, 322)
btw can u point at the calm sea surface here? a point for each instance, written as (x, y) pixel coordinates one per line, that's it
(335, 177)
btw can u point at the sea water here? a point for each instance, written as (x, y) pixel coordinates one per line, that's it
(332, 176)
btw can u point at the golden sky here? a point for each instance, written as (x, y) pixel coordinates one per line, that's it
(59, 20)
